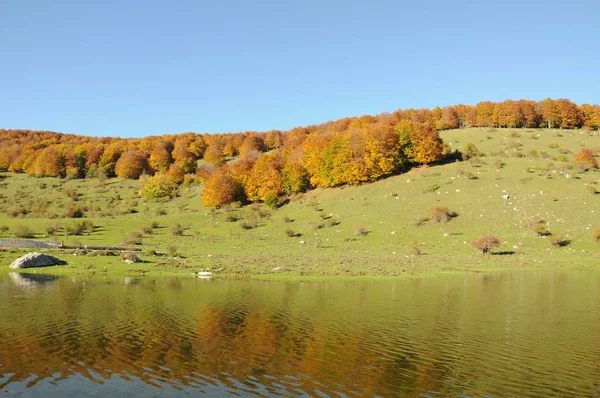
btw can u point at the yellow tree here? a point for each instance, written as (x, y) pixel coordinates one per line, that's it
(130, 165)
(265, 179)
(221, 189)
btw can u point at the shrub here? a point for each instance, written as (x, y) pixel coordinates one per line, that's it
(72, 194)
(22, 231)
(415, 251)
(172, 251)
(361, 231)
(88, 226)
(586, 158)
(147, 230)
(498, 164)
(591, 189)
(272, 199)
(597, 235)
(486, 243)
(73, 211)
(154, 224)
(286, 219)
(291, 233)
(3, 229)
(470, 151)
(176, 230)
(158, 186)
(74, 229)
(231, 218)
(441, 214)
(558, 240)
(417, 222)
(247, 224)
(538, 226)
(133, 238)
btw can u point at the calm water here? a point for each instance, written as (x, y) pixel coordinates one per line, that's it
(526, 334)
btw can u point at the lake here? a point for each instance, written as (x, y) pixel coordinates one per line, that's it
(517, 333)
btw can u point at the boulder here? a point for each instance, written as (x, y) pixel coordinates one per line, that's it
(31, 260)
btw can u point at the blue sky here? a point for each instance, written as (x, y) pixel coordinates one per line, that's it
(134, 68)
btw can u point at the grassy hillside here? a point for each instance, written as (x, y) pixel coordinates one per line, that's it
(375, 229)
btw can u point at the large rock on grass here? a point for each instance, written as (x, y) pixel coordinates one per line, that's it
(31, 260)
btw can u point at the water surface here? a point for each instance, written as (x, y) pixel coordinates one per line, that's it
(519, 333)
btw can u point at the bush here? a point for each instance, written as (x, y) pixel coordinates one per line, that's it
(231, 218)
(470, 151)
(176, 230)
(272, 199)
(486, 243)
(154, 224)
(441, 214)
(498, 164)
(3, 229)
(361, 231)
(172, 251)
(74, 229)
(158, 186)
(73, 211)
(247, 224)
(417, 222)
(286, 219)
(558, 240)
(597, 235)
(22, 231)
(586, 158)
(146, 230)
(132, 238)
(290, 232)
(538, 226)
(415, 251)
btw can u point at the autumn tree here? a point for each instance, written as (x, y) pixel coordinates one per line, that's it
(160, 158)
(130, 165)
(265, 179)
(221, 189)
(486, 243)
(586, 158)
(157, 186)
(427, 146)
(50, 163)
(214, 155)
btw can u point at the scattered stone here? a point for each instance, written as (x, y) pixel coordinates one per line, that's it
(131, 258)
(34, 259)
(505, 197)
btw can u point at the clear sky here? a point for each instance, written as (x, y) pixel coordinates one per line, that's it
(134, 68)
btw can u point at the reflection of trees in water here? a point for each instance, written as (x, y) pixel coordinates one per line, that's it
(345, 338)
(124, 330)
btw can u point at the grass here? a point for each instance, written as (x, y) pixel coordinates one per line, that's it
(375, 230)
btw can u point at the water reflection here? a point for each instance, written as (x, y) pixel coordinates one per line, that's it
(520, 334)
(31, 280)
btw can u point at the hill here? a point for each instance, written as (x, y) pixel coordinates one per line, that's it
(522, 187)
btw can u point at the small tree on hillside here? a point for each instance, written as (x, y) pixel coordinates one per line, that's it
(486, 243)
(586, 158)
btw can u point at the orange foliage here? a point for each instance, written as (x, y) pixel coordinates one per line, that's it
(586, 157)
(221, 189)
(130, 165)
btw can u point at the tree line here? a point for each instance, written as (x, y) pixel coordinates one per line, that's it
(267, 165)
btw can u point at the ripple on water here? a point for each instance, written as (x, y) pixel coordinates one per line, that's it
(520, 334)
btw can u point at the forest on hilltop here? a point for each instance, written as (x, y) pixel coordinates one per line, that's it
(271, 164)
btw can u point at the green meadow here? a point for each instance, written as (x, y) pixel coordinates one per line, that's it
(521, 187)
